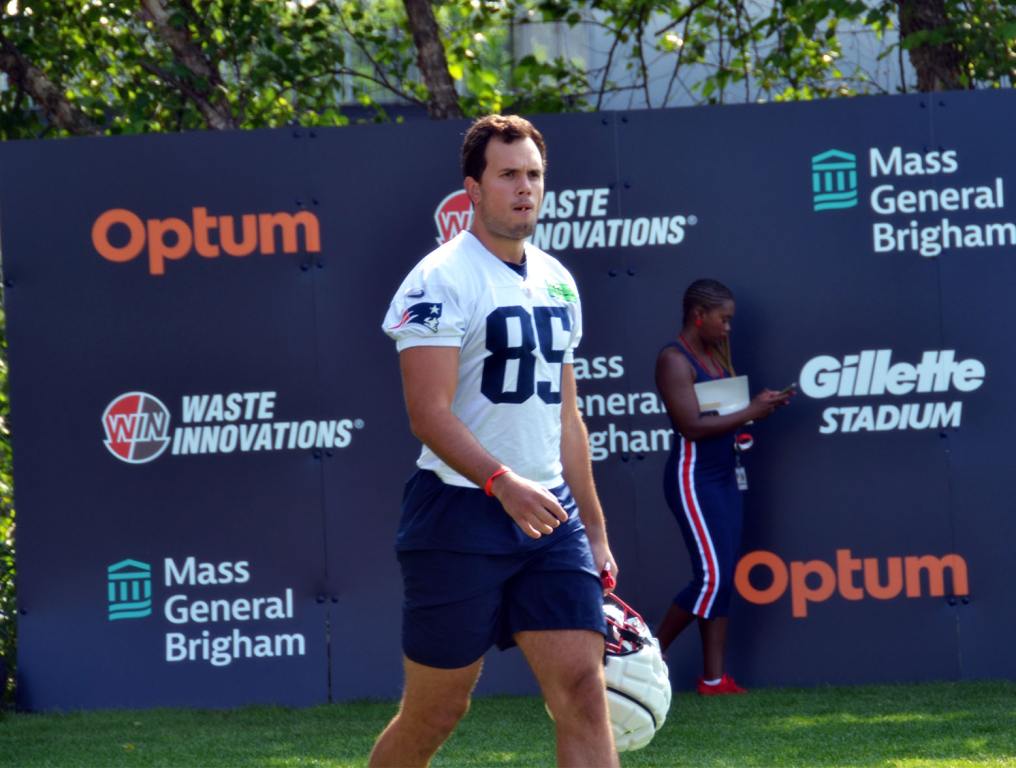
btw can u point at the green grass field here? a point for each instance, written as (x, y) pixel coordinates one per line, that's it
(945, 725)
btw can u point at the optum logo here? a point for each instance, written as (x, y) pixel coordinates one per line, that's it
(851, 578)
(833, 180)
(120, 235)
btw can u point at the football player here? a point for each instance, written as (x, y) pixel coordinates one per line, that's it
(502, 538)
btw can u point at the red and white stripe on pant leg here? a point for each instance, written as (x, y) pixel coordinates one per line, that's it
(697, 521)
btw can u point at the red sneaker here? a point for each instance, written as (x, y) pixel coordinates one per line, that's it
(726, 685)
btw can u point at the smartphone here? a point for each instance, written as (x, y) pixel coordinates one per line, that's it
(788, 389)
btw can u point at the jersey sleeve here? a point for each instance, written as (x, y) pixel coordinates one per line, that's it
(425, 312)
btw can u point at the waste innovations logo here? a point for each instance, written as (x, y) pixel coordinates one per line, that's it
(207, 610)
(452, 215)
(574, 219)
(834, 180)
(137, 426)
(873, 374)
(129, 590)
(913, 206)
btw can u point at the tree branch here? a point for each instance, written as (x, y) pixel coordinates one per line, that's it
(939, 66)
(721, 66)
(685, 14)
(169, 79)
(640, 31)
(208, 90)
(377, 81)
(44, 92)
(677, 64)
(610, 57)
(443, 102)
(740, 42)
(380, 78)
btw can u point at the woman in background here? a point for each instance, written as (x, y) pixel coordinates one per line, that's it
(700, 480)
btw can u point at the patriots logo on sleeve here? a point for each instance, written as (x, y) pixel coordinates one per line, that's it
(426, 313)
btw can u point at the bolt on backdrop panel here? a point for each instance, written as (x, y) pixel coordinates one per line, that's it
(210, 439)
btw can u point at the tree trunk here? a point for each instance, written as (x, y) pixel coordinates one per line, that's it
(939, 67)
(207, 92)
(443, 102)
(44, 92)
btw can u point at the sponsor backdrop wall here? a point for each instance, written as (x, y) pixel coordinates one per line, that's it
(210, 436)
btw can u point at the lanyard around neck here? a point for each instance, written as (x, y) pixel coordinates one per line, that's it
(698, 359)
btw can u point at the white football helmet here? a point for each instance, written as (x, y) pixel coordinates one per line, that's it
(638, 682)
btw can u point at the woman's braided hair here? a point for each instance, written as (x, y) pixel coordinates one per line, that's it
(710, 294)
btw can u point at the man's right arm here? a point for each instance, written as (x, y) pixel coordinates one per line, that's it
(429, 380)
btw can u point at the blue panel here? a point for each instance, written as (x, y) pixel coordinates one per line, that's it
(808, 283)
(977, 322)
(379, 231)
(83, 332)
(811, 213)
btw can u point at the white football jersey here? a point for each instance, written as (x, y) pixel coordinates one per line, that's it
(513, 334)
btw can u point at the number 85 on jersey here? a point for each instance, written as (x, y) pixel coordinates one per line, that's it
(514, 370)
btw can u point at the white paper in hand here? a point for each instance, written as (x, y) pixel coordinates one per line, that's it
(723, 396)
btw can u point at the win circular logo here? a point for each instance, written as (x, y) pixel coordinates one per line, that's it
(137, 427)
(452, 215)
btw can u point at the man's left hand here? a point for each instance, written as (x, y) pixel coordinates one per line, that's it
(605, 562)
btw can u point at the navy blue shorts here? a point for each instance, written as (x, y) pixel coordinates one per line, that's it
(458, 604)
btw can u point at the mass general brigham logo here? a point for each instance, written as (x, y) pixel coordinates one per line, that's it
(833, 180)
(129, 590)
(137, 427)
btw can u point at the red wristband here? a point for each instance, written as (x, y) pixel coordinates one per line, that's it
(488, 487)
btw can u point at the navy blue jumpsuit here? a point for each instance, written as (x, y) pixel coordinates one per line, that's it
(700, 486)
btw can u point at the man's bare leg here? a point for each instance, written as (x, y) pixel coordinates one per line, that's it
(568, 664)
(432, 704)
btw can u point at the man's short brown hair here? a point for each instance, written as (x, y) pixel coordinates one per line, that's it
(507, 128)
